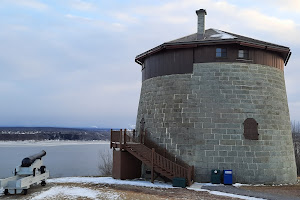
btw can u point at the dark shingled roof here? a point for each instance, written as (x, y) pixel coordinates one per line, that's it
(214, 36)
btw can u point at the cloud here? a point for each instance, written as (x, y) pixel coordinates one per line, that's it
(288, 5)
(294, 108)
(238, 19)
(124, 17)
(75, 67)
(82, 5)
(109, 26)
(33, 4)
(283, 29)
(78, 17)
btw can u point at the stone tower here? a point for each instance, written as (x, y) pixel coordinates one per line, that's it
(217, 100)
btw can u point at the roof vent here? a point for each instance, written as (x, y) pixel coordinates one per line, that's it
(201, 23)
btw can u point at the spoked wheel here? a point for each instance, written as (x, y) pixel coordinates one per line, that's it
(43, 183)
(25, 191)
(6, 191)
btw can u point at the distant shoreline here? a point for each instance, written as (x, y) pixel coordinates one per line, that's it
(50, 142)
(50, 133)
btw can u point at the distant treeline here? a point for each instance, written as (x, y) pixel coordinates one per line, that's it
(51, 133)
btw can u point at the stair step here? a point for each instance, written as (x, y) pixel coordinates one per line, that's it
(143, 153)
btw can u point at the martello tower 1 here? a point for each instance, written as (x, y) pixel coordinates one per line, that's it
(217, 100)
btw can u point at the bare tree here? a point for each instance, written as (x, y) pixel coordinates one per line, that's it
(105, 163)
(296, 140)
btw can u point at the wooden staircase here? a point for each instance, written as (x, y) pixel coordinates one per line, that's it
(158, 163)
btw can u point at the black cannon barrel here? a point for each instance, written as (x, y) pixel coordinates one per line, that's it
(26, 162)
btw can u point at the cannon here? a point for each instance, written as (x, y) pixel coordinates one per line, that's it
(26, 162)
(31, 171)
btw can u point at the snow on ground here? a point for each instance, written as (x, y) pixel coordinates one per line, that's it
(111, 181)
(68, 191)
(57, 191)
(240, 185)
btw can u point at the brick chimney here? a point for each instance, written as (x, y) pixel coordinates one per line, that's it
(201, 23)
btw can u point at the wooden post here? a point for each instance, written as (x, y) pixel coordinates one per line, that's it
(120, 139)
(189, 176)
(124, 137)
(133, 134)
(193, 173)
(110, 138)
(152, 167)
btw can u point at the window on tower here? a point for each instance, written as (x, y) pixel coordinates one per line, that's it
(243, 54)
(221, 53)
(250, 129)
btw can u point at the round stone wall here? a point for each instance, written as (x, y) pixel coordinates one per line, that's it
(199, 117)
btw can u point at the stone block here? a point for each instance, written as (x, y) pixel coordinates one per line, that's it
(210, 153)
(227, 142)
(214, 142)
(223, 153)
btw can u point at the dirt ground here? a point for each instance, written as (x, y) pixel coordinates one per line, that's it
(146, 193)
(124, 191)
(287, 190)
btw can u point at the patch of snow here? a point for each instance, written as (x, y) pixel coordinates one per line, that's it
(73, 192)
(204, 184)
(1, 191)
(110, 180)
(240, 185)
(222, 35)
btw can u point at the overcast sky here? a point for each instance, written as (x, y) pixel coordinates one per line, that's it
(71, 62)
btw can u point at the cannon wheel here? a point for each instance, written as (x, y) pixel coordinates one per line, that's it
(43, 169)
(43, 183)
(25, 191)
(6, 191)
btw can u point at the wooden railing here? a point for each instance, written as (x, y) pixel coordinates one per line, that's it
(160, 163)
(160, 150)
(120, 137)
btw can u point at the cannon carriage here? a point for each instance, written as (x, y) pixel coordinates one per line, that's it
(31, 171)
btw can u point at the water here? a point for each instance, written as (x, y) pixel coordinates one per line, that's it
(63, 158)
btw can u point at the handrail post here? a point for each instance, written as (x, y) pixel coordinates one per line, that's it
(124, 137)
(145, 136)
(152, 167)
(120, 139)
(193, 173)
(110, 138)
(189, 176)
(133, 134)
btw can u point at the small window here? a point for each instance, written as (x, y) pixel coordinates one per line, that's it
(221, 53)
(243, 54)
(251, 129)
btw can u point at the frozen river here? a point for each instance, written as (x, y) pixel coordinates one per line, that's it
(64, 158)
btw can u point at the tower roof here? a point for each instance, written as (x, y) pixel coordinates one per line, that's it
(214, 37)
